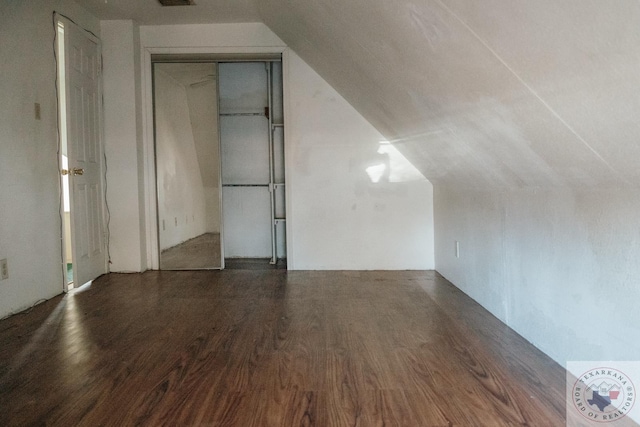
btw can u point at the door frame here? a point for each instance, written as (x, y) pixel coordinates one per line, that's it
(148, 128)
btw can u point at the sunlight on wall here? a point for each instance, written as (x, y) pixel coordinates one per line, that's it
(392, 166)
(376, 172)
(62, 108)
(65, 185)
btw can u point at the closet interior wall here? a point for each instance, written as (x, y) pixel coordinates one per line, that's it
(252, 144)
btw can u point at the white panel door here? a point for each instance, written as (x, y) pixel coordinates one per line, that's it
(244, 140)
(84, 115)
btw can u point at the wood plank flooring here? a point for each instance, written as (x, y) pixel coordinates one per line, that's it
(201, 252)
(272, 348)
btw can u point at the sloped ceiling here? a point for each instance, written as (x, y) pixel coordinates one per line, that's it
(498, 93)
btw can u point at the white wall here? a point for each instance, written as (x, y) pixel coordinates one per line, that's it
(558, 266)
(231, 38)
(337, 218)
(181, 195)
(122, 130)
(341, 219)
(30, 224)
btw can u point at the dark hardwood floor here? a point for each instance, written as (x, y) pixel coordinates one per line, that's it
(272, 348)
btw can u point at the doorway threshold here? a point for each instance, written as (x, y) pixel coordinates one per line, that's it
(254, 264)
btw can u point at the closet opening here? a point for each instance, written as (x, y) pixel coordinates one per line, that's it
(219, 154)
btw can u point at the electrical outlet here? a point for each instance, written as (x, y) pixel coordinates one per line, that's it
(4, 269)
(457, 249)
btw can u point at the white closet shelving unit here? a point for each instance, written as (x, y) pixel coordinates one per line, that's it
(252, 141)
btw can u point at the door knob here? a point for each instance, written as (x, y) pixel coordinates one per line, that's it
(74, 171)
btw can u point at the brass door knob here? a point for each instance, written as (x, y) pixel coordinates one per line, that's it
(74, 171)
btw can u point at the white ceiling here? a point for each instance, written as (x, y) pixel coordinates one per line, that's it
(498, 93)
(506, 93)
(150, 12)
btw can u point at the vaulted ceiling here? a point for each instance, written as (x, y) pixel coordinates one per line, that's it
(498, 93)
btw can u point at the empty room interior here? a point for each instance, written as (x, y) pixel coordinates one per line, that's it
(327, 213)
